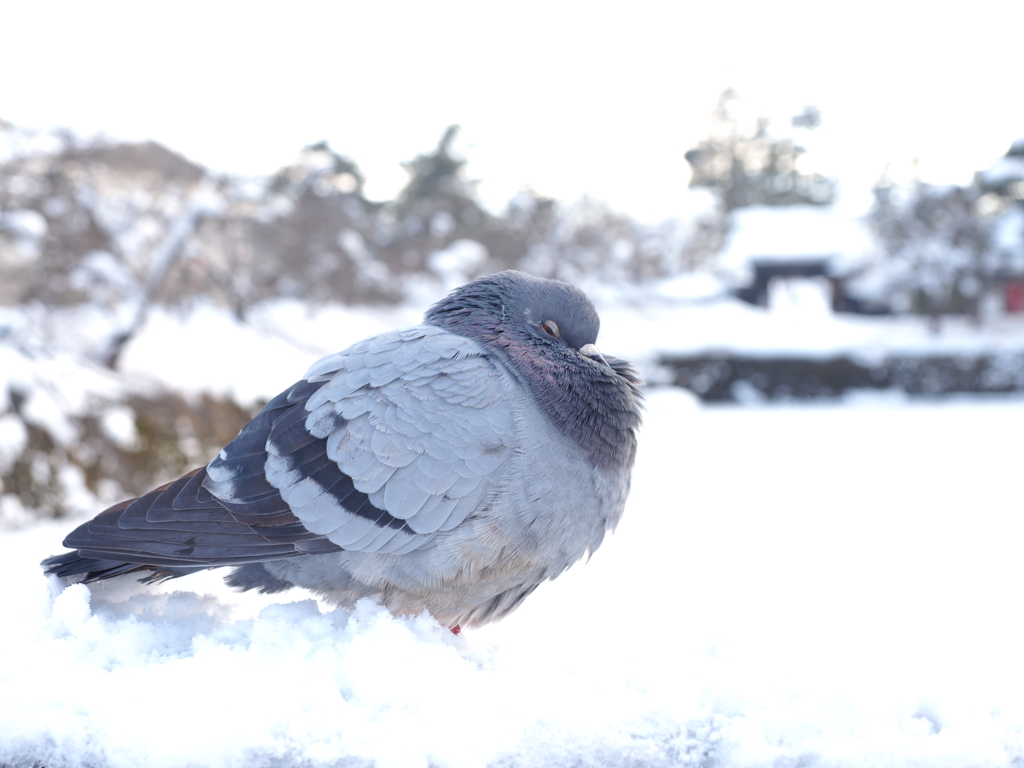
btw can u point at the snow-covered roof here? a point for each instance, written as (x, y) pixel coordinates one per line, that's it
(691, 286)
(794, 232)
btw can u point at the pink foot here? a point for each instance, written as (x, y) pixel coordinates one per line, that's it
(456, 630)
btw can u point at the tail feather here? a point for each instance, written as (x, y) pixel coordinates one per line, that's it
(72, 564)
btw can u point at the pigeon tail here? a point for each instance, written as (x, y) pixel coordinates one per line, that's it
(73, 564)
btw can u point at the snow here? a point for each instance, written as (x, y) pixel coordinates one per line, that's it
(797, 323)
(118, 423)
(692, 286)
(13, 439)
(819, 586)
(208, 350)
(454, 263)
(1008, 240)
(1004, 171)
(27, 229)
(772, 233)
(54, 386)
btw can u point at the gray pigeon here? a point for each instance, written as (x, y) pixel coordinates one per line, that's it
(450, 467)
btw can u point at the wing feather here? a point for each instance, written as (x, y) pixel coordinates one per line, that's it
(413, 444)
(378, 449)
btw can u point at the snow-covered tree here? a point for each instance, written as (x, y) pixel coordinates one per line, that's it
(744, 162)
(935, 238)
(1003, 186)
(97, 223)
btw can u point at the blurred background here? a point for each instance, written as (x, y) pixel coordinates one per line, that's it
(770, 203)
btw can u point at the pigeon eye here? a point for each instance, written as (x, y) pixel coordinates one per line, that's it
(550, 328)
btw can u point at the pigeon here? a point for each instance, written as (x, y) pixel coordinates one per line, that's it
(451, 467)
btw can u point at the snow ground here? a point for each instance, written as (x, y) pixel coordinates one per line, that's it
(828, 585)
(820, 586)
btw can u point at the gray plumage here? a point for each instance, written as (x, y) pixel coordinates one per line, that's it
(450, 467)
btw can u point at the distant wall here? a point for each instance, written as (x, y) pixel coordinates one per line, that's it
(734, 377)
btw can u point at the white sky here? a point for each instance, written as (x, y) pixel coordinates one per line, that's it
(569, 98)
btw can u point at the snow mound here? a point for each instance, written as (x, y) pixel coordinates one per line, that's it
(120, 675)
(819, 586)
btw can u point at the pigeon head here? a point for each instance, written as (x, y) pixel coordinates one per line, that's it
(513, 306)
(546, 332)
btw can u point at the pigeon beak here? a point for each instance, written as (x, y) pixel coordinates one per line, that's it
(591, 351)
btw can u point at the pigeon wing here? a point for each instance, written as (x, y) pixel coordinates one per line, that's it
(378, 449)
(402, 436)
(183, 525)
